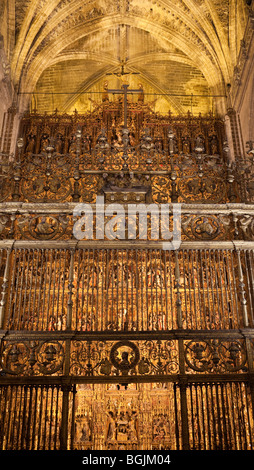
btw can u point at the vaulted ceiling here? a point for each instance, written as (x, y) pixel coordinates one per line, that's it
(62, 51)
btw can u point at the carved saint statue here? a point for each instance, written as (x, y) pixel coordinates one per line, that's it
(111, 428)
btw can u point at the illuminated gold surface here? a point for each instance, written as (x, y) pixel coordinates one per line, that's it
(181, 47)
(139, 417)
(60, 54)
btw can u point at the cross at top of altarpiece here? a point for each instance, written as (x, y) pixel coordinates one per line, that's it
(125, 91)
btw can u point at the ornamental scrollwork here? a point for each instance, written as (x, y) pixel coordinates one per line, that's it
(87, 357)
(46, 180)
(89, 187)
(161, 189)
(192, 179)
(158, 357)
(6, 187)
(64, 157)
(200, 179)
(215, 356)
(32, 358)
(107, 358)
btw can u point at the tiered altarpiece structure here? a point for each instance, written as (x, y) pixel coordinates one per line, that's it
(118, 343)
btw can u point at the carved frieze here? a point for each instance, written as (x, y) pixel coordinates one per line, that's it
(108, 358)
(195, 225)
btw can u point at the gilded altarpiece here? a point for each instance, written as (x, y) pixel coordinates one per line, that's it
(112, 343)
(127, 417)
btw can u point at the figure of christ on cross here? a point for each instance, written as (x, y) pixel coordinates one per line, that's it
(124, 90)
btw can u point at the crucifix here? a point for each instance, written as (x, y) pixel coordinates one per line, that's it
(124, 90)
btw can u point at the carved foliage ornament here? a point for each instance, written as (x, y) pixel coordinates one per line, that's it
(187, 148)
(106, 358)
(45, 179)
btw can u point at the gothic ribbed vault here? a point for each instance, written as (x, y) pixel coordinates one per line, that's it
(179, 48)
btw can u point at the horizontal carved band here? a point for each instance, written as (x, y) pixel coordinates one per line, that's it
(130, 358)
(59, 226)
